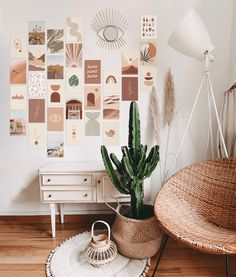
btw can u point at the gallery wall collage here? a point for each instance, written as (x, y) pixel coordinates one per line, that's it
(58, 98)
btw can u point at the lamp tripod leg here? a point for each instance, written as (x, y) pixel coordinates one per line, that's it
(189, 120)
(217, 115)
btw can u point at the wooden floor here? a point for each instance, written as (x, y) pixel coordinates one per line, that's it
(25, 242)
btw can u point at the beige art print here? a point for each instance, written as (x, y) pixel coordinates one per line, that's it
(37, 84)
(74, 132)
(55, 41)
(18, 45)
(148, 53)
(55, 67)
(74, 80)
(111, 107)
(18, 71)
(111, 81)
(148, 27)
(129, 62)
(36, 32)
(74, 107)
(73, 29)
(111, 132)
(18, 97)
(74, 55)
(92, 98)
(36, 58)
(148, 78)
(92, 124)
(37, 135)
(55, 119)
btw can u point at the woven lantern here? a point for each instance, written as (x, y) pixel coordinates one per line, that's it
(101, 250)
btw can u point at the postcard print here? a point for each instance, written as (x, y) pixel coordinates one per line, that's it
(130, 61)
(55, 145)
(74, 132)
(74, 107)
(74, 80)
(55, 41)
(74, 55)
(129, 88)
(18, 45)
(148, 53)
(111, 107)
(18, 71)
(55, 93)
(18, 97)
(92, 71)
(18, 123)
(36, 32)
(148, 26)
(36, 58)
(111, 81)
(55, 67)
(36, 110)
(92, 124)
(73, 29)
(148, 78)
(55, 119)
(37, 84)
(111, 132)
(92, 98)
(37, 135)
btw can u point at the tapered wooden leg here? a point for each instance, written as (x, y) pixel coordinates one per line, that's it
(62, 212)
(53, 219)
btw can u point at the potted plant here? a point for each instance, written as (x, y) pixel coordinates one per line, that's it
(135, 230)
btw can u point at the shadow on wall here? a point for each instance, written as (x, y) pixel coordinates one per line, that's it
(29, 194)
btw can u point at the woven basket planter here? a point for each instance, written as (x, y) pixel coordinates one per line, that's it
(137, 239)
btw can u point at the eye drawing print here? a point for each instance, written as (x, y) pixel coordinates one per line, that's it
(110, 26)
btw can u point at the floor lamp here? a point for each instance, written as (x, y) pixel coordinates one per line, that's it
(192, 39)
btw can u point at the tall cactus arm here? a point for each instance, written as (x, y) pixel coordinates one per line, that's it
(153, 160)
(142, 160)
(111, 171)
(120, 167)
(134, 131)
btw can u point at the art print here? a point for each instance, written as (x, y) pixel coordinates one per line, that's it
(55, 119)
(92, 124)
(37, 135)
(18, 97)
(111, 81)
(36, 58)
(148, 27)
(148, 53)
(55, 145)
(74, 132)
(148, 78)
(111, 132)
(92, 71)
(18, 123)
(36, 110)
(74, 55)
(37, 84)
(18, 71)
(55, 68)
(130, 61)
(130, 88)
(36, 33)
(55, 41)
(74, 80)
(73, 29)
(55, 93)
(92, 98)
(111, 107)
(74, 107)
(18, 45)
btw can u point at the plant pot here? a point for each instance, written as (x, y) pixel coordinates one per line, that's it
(136, 238)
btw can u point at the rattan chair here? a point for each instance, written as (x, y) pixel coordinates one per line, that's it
(197, 206)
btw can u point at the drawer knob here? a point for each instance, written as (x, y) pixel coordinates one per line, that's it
(85, 179)
(49, 196)
(48, 180)
(85, 195)
(99, 181)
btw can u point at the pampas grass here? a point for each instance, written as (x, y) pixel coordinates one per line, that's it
(169, 111)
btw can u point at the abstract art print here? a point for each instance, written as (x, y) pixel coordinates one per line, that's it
(55, 41)
(55, 119)
(92, 124)
(129, 88)
(18, 45)
(148, 78)
(74, 80)
(36, 58)
(74, 55)
(37, 84)
(36, 32)
(92, 98)
(110, 26)
(111, 107)
(18, 97)
(111, 81)
(36, 110)
(111, 132)
(18, 123)
(74, 132)
(74, 107)
(55, 67)
(73, 29)
(148, 53)
(148, 26)
(92, 71)
(55, 93)
(55, 145)
(130, 60)
(18, 71)
(37, 135)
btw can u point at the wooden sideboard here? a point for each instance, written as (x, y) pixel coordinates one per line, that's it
(77, 182)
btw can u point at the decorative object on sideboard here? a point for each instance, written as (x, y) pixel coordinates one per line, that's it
(135, 230)
(101, 250)
(192, 39)
(228, 118)
(110, 26)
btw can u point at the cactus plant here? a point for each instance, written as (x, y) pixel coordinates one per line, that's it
(134, 166)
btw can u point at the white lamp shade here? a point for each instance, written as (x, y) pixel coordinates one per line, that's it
(191, 37)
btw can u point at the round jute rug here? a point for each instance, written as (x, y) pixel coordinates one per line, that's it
(68, 260)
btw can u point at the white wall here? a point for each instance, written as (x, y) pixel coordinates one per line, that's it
(19, 190)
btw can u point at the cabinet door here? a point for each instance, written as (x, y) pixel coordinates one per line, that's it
(106, 192)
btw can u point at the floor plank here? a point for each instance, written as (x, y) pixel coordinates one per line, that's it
(25, 243)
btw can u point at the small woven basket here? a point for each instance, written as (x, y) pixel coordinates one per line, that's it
(101, 250)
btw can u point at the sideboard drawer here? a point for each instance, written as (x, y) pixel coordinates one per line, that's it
(67, 179)
(64, 196)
